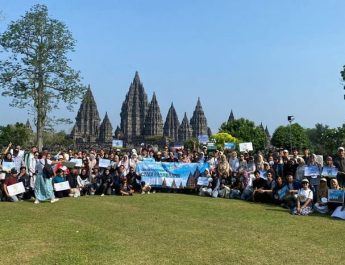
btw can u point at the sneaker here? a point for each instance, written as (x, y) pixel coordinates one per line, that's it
(148, 192)
(102, 194)
(143, 192)
(36, 202)
(54, 200)
(154, 192)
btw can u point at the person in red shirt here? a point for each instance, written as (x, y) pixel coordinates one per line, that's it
(12, 179)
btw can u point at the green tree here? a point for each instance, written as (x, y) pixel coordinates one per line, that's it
(223, 137)
(18, 134)
(281, 137)
(55, 140)
(246, 131)
(35, 72)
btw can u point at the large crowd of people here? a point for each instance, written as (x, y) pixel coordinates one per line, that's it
(274, 177)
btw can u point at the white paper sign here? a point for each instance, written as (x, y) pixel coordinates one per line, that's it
(7, 166)
(78, 162)
(245, 147)
(62, 186)
(104, 163)
(15, 189)
(202, 181)
(339, 212)
(117, 143)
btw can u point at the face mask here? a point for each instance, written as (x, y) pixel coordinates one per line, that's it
(271, 163)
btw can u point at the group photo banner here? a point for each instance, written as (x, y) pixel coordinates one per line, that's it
(173, 175)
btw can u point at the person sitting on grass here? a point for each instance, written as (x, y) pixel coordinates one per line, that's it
(145, 188)
(125, 189)
(107, 183)
(25, 179)
(59, 178)
(259, 187)
(333, 205)
(293, 186)
(10, 180)
(72, 179)
(279, 191)
(322, 195)
(304, 200)
(134, 179)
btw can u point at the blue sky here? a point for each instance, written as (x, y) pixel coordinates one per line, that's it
(265, 60)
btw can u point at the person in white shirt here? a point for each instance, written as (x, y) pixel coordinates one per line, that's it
(304, 200)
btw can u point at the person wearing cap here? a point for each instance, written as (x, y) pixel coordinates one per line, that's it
(339, 163)
(322, 195)
(304, 200)
(10, 180)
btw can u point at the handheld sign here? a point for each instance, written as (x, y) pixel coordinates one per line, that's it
(117, 143)
(104, 163)
(202, 181)
(229, 146)
(203, 138)
(78, 162)
(211, 146)
(336, 196)
(330, 172)
(15, 189)
(62, 186)
(245, 147)
(7, 166)
(311, 171)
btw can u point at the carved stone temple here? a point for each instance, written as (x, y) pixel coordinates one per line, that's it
(141, 121)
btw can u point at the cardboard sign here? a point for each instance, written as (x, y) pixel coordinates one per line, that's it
(62, 186)
(104, 163)
(229, 146)
(15, 189)
(245, 147)
(336, 196)
(117, 143)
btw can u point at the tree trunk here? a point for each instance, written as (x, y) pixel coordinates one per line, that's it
(39, 132)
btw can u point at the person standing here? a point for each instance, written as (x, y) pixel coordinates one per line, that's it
(43, 184)
(339, 163)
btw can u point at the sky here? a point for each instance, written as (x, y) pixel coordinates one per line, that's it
(264, 60)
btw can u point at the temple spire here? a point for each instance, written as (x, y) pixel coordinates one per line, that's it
(171, 124)
(198, 121)
(185, 130)
(153, 125)
(105, 130)
(231, 117)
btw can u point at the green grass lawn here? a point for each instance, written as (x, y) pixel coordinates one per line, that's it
(165, 229)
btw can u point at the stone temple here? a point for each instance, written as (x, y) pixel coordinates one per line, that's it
(141, 121)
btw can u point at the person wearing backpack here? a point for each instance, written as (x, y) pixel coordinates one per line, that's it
(43, 184)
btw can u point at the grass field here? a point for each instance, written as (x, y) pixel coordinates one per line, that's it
(165, 229)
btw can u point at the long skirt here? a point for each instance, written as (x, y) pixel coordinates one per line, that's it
(43, 188)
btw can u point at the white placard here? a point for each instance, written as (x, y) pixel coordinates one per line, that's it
(7, 166)
(245, 147)
(339, 212)
(15, 189)
(104, 163)
(117, 143)
(78, 162)
(62, 186)
(202, 181)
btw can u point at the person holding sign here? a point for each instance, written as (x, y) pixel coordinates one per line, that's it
(322, 194)
(304, 200)
(339, 162)
(11, 180)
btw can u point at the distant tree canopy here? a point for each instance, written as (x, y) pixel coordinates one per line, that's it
(34, 70)
(246, 131)
(281, 137)
(223, 137)
(17, 134)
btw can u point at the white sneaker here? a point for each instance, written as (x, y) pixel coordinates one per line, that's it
(36, 202)
(143, 192)
(54, 200)
(102, 195)
(148, 192)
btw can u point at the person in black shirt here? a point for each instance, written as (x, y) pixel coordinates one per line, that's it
(259, 185)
